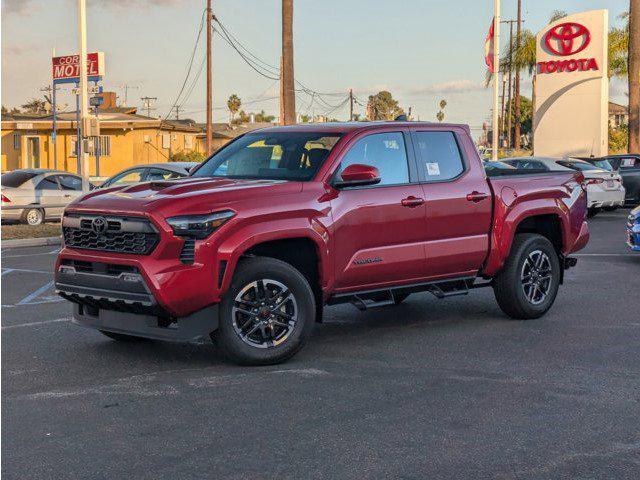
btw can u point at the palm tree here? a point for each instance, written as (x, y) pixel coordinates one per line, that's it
(234, 104)
(634, 75)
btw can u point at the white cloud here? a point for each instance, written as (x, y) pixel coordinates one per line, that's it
(454, 86)
(17, 7)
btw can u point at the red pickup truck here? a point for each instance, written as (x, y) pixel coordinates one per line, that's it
(284, 221)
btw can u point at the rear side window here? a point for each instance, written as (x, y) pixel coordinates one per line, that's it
(629, 162)
(69, 182)
(16, 178)
(439, 155)
(48, 183)
(386, 152)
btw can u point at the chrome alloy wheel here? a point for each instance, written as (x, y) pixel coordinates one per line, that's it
(536, 277)
(264, 313)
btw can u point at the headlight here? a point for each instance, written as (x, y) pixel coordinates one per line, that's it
(199, 226)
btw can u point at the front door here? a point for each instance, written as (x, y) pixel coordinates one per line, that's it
(379, 230)
(33, 152)
(458, 202)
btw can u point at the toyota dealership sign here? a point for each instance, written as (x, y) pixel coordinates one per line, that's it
(572, 87)
(67, 68)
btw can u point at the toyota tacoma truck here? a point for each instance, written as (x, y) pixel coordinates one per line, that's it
(282, 222)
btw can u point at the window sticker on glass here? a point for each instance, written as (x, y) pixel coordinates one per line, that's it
(391, 144)
(433, 169)
(627, 162)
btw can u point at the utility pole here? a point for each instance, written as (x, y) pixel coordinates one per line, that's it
(147, 104)
(83, 97)
(177, 108)
(126, 88)
(281, 119)
(509, 106)
(209, 132)
(351, 104)
(516, 112)
(504, 82)
(288, 83)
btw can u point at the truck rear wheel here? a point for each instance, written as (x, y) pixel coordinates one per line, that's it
(267, 315)
(528, 284)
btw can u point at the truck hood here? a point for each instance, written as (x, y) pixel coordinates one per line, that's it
(190, 195)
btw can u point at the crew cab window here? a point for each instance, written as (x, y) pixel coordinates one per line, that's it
(439, 155)
(48, 183)
(288, 155)
(528, 165)
(386, 152)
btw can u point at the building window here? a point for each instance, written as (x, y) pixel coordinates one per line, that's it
(105, 146)
(166, 140)
(188, 142)
(16, 141)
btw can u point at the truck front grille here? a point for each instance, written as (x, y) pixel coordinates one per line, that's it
(109, 234)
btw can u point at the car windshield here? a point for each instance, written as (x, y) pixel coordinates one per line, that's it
(603, 164)
(16, 178)
(582, 166)
(275, 156)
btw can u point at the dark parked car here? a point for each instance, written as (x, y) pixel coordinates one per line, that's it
(628, 166)
(150, 173)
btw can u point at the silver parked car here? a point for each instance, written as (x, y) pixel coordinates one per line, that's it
(43, 193)
(150, 173)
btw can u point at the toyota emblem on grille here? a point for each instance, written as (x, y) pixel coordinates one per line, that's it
(99, 225)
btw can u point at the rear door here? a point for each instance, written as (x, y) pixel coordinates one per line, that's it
(458, 201)
(50, 196)
(71, 187)
(379, 230)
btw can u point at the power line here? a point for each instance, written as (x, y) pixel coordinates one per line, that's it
(193, 54)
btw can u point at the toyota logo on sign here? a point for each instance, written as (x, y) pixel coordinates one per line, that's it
(567, 38)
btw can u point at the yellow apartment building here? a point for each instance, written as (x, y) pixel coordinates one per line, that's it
(126, 139)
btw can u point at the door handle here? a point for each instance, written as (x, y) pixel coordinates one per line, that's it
(476, 197)
(412, 201)
(67, 196)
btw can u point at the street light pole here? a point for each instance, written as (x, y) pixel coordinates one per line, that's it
(83, 96)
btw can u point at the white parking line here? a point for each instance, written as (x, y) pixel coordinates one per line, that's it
(7, 270)
(604, 255)
(35, 324)
(25, 270)
(30, 254)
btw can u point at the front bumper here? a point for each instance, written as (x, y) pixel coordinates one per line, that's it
(116, 298)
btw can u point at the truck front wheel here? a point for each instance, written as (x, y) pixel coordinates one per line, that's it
(268, 313)
(528, 284)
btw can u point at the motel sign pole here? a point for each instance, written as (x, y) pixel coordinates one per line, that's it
(83, 97)
(496, 80)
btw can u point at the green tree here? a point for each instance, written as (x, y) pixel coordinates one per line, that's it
(35, 105)
(234, 104)
(382, 106)
(190, 156)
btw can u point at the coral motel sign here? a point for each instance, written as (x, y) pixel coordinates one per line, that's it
(67, 68)
(569, 38)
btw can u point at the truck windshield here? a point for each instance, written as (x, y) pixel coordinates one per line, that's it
(276, 156)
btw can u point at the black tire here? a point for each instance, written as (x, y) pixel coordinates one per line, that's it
(121, 337)
(592, 212)
(33, 216)
(509, 286)
(267, 272)
(398, 298)
(610, 209)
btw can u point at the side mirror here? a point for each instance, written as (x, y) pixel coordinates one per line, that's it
(357, 175)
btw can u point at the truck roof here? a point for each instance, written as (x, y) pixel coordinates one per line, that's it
(344, 127)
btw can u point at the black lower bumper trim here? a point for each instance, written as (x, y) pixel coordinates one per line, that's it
(193, 328)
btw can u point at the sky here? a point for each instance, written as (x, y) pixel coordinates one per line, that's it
(421, 50)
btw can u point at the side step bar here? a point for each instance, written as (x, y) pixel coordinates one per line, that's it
(363, 300)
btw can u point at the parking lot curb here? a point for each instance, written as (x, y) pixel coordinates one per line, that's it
(31, 242)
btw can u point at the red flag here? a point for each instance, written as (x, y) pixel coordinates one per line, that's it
(488, 48)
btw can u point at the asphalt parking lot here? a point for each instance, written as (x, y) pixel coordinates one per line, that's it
(429, 389)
